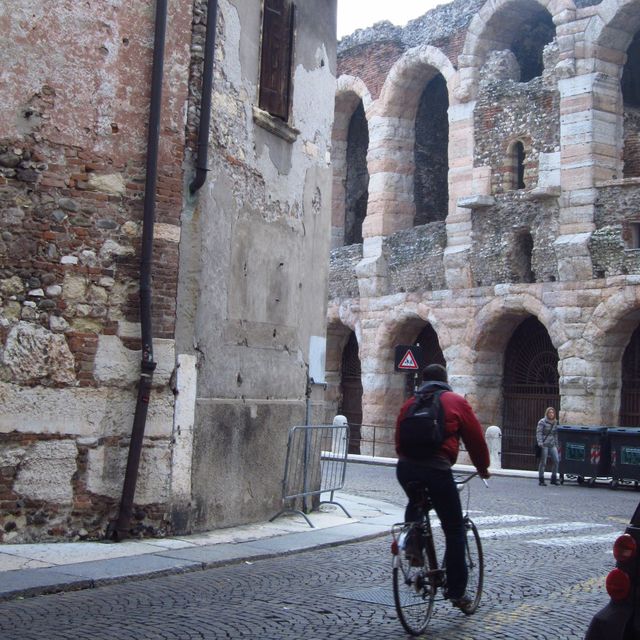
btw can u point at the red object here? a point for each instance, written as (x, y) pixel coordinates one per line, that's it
(624, 548)
(460, 422)
(618, 585)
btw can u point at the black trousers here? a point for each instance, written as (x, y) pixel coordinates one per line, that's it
(446, 502)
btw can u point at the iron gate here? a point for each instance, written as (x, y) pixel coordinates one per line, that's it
(351, 406)
(630, 393)
(530, 386)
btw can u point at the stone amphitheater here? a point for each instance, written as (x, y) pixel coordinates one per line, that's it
(486, 206)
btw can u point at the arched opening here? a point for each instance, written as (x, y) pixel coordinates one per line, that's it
(530, 385)
(630, 86)
(428, 340)
(529, 40)
(630, 392)
(351, 388)
(521, 257)
(357, 176)
(431, 191)
(517, 165)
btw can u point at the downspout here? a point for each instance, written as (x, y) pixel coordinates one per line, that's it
(120, 529)
(205, 99)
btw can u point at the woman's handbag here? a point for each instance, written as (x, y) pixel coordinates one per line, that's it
(538, 448)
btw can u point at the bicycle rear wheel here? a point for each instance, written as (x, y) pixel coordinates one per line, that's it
(475, 566)
(414, 591)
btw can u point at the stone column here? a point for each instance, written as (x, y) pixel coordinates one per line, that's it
(371, 271)
(590, 135)
(390, 160)
(382, 389)
(461, 186)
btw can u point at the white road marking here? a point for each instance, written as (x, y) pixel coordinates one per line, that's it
(512, 517)
(535, 529)
(575, 541)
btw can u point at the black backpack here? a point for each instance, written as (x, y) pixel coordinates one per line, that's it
(422, 429)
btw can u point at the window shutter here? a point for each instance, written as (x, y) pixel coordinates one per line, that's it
(277, 47)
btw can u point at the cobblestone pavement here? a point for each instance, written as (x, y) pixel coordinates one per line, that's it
(545, 569)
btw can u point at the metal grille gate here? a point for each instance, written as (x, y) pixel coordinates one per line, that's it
(316, 463)
(530, 386)
(630, 393)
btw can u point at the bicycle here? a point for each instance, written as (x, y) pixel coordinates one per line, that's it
(417, 574)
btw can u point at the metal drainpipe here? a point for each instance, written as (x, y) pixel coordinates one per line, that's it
(120, 529)
(205, 100)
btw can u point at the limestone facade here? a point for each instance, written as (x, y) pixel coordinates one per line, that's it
(239, 269)
(542, 200)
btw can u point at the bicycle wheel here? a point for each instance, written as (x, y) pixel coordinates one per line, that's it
(414, 591)
(475, 566)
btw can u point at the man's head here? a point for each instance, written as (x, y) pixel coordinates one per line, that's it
(434, 372)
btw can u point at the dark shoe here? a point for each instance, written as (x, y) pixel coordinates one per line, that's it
(555, 482)
(463, 603)
(542, 484)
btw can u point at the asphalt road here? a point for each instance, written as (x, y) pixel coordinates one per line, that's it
(547, 551)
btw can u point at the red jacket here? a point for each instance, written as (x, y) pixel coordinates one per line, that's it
(460, 422)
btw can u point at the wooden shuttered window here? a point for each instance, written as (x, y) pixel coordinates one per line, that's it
(277, 53)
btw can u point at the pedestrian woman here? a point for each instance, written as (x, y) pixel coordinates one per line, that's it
(547, 439)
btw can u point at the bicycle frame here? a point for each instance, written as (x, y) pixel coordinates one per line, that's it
(416, 578)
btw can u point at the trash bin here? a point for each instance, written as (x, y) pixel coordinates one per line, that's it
(625, 454)
(584, 453)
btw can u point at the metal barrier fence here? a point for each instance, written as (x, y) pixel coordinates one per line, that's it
(372, 440)
(316, 463)
(376, 440)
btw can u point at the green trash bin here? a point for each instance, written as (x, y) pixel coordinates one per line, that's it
(625, 455)
(584, 453)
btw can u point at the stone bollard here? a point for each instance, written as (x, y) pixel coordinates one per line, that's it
(493, 436)
(339, 438)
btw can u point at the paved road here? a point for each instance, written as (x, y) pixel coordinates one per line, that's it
(547, 551)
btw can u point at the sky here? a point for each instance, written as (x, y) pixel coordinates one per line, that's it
(358, 14)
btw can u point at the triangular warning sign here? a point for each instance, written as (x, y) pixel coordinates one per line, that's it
(408, 361)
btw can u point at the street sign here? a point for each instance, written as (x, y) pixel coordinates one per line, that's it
(408, 358)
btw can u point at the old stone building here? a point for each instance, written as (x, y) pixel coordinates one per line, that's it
(238, 266)
(486, 205)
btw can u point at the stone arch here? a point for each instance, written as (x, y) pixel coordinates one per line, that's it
(392, 138)
(384, 389)
(408, 77)
(340, 324)
(492, 323)
(605, 339)
(490, 30)
(351, 92)
(488, 336)
(610, 35)
(613, 27)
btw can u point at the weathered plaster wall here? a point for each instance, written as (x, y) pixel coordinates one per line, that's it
(253, 269)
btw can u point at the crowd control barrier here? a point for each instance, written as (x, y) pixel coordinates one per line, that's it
(316, 463)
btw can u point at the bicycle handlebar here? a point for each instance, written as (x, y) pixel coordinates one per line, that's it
(461, 483)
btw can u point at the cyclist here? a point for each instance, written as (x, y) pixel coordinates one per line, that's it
(434, 471)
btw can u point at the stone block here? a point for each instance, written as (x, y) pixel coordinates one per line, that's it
(33, 353)
(46, 471)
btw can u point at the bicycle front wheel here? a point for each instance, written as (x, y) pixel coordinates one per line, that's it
(414, 591)
(475, 566)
